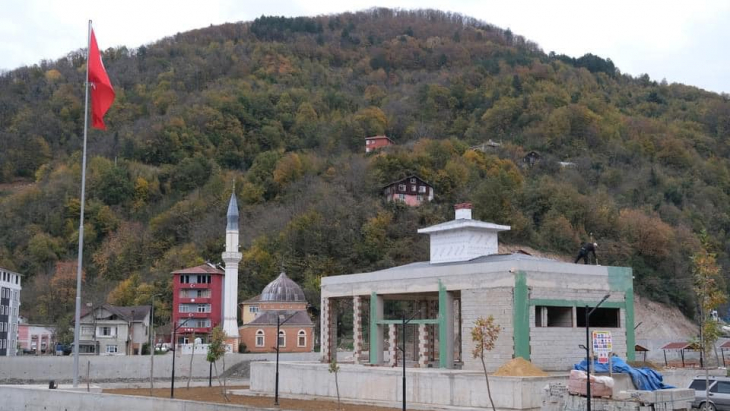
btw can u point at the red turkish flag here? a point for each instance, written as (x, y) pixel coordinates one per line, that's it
(102, 93)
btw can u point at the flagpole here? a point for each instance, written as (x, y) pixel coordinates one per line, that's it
(77, 323)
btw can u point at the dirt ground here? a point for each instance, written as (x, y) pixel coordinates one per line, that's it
(213, 394)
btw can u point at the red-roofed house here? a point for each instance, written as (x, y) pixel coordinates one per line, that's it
(376, 142)
(197, 301)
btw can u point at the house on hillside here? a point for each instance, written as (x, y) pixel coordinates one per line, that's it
(9, 307)
(411, 190)
(197, 301)
(282, 301)
(376, 142)
(113, 330)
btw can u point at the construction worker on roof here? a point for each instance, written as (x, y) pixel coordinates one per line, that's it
(584, 250)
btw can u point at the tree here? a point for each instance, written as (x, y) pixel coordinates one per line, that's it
(334, 369)
(709, 286)
(484, 334)
(217, 351)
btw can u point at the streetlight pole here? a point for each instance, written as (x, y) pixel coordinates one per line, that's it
(151, 345)
(588, 350)
(279, 323)
(174, 353)
(403, 350)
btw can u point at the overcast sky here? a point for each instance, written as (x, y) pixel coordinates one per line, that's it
(682, 41)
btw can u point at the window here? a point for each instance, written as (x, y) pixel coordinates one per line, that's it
(402, 197)
(422, 189)
(282, 338)
(401, 187)
(413, 180)
(203, 308)
(723, 387)
(546, 316)
(419, 197)
(602, 317)
(106, 331)
(302, 338)
(413, 188)
(194, 293)
(253, 308)
(184, 279)
(259, 338)
(111, 349)
(699, 384)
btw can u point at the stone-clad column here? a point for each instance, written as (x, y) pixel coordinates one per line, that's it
(357, 328)
(328, 324)
(422, 346)
(392, 345)
(432, 313)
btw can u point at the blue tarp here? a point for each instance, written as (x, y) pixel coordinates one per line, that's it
(644, 378)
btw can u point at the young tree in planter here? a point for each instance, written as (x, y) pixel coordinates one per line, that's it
(334, 368)
(217, 351)
(709, 286)
(484, 335)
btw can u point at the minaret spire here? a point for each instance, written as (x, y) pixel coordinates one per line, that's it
(231, 258)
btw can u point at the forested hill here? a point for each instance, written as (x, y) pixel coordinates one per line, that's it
(282, 106)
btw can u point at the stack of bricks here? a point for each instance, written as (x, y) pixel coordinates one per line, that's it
(423, 344)
(357, 328)
(392, 345)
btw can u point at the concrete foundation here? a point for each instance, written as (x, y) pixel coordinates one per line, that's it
(435, 387)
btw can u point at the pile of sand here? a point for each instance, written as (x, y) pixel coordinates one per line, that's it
(519, 367)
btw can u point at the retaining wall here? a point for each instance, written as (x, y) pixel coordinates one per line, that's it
(432, 386)
(31, 399)
(105, 368)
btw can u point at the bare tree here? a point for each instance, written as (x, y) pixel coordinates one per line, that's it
(484, 335)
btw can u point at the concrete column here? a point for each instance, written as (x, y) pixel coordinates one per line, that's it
(357, 328)
(446, 328)
(392, 345)
(376, 330)
(422, 346)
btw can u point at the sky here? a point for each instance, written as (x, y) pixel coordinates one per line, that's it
(680, 41)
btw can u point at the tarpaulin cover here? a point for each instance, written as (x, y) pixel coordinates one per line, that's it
(644, 378)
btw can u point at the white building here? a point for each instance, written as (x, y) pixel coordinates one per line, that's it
(9, 308)
(114, 330)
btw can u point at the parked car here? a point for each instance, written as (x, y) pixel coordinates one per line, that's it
(719, 393)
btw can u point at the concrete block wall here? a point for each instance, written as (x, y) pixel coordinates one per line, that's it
(476, 303)
(557, 348)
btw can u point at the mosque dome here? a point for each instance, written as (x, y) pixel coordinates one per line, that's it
(283, 289)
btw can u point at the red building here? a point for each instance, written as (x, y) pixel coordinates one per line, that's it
(374, 143)
(410, 190)
(197, 301)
